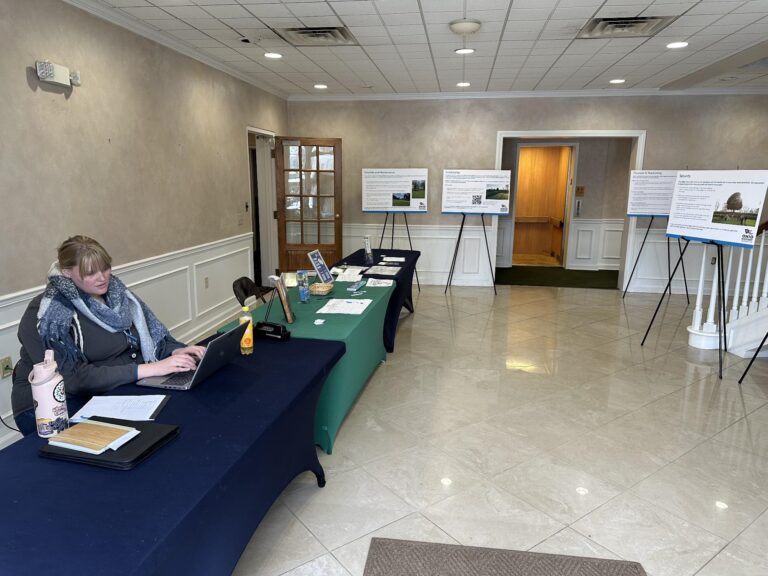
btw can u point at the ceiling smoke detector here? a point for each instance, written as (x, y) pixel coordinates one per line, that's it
(318, 36)
(464, 26)
(632, 27)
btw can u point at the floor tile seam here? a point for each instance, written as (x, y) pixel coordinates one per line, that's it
(308, 561)
(308, 529)
(726, 542)
(566, 523)
(632, 490)
(714, 438)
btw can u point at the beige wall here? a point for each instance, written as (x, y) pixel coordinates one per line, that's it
(703, 132)
(149, 155)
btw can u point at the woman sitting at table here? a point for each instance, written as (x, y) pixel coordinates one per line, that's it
(101, 333)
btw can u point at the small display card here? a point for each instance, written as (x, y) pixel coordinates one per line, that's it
(320, 266)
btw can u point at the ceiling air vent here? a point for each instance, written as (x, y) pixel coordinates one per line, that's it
(319, 36)
(639, 26)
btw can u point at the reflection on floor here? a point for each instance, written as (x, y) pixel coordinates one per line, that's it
(535, 421)
(535, 260)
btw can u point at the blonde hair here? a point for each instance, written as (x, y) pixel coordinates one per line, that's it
(88, 255)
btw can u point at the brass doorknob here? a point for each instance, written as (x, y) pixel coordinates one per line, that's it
(338, 215)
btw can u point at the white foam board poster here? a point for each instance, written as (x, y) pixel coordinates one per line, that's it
(476, 191)
(395, 189)
(723, 206)
(650, 192)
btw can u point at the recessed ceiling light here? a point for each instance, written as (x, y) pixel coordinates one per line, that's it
(273, 55)
(464, 50)
(673, 45)
(463, 84)
(321, 86)
(617, 81)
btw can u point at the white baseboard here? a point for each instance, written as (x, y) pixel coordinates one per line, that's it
(190, 290)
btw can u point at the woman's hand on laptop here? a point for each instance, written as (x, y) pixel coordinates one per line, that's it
(174, 363)
(194, 351)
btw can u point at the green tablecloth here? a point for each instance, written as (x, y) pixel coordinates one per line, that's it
(363, 336)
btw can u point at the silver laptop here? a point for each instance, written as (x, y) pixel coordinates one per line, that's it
(218, 354)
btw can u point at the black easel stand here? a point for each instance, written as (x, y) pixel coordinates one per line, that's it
(392, 239)
(638, 255)
(456, 252)
(754, 357)
(722, 338)
(639, 252)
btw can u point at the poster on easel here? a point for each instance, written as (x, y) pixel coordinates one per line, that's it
(395, 189)
(650, 192)
(722, 206)
(476, 192)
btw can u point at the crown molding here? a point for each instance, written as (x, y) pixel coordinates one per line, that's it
(114, 17)
(608, 93)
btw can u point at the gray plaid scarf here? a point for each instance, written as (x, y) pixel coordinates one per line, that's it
(63, 301)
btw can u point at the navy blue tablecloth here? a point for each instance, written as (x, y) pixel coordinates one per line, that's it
(192, 507)
(402, 296)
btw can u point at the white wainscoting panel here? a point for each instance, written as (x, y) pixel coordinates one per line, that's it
(172, 284)
(595, 244)
(436, 244)
(652, 274)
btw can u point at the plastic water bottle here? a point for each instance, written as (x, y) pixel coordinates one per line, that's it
(368, 257)
(246, 342)
(303, 284)
(49, 397)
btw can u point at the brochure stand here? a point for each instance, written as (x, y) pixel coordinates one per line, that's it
(392, 239)
(669, 263)
(456, 252)
(722, 338)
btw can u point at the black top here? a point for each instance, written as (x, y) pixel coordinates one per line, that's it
(110, 360)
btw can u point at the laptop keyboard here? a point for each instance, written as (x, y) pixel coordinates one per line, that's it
(179, 380)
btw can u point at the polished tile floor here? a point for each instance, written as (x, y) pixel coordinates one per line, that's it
(533, 420)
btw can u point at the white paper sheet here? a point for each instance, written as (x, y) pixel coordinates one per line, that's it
(349, 277)
(339, 306)
(393, 258)
(123, 407)
(379, 283)
(384, 270)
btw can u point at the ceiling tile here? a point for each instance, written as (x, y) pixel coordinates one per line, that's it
(268, 10)
(187, 12)
(227, 11)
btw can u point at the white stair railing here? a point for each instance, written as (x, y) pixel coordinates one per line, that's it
(745, 294)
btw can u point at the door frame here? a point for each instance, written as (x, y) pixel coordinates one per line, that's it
(638, 137)
(569, 192)
(266, 194)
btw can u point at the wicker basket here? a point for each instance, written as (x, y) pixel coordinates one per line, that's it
(319, 288)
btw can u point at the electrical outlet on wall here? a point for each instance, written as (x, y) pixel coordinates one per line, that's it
(6, 367)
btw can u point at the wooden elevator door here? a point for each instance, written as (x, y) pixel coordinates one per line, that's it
(542, 182)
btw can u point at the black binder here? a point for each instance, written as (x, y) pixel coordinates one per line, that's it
(152, 436)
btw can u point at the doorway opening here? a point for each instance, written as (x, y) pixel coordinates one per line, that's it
(261, 145)
(543, 182)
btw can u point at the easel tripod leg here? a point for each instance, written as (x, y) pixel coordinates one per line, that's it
(384, 229)
(638, 256)
(410, 244)
(754, 357)
(685, 280)
(663, 294)
(455, 253)
(488, 251)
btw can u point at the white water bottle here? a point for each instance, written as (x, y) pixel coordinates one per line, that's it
(49, 398)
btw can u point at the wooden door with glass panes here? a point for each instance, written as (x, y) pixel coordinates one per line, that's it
(308, 200)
